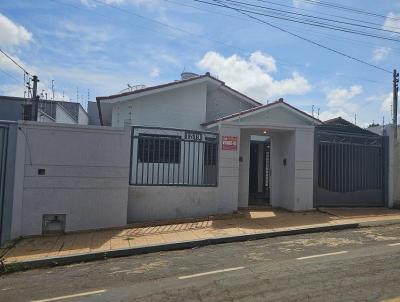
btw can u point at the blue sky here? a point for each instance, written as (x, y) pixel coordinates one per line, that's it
(86, 45)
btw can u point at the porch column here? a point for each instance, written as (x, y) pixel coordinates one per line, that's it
(304, 167)
(228, 168)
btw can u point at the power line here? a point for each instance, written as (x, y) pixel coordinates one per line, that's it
(16, 63)
(10, 75)
(310, 16)
(323, 13)
(305, 39)
(346, 8)
(297, 20)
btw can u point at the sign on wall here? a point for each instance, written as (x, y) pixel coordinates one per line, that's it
(229, 143)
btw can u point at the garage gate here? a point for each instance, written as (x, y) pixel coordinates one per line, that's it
(351, 167)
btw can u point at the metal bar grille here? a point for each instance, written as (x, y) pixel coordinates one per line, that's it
(349, 163)
(173, 157)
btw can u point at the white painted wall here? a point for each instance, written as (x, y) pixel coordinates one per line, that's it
(393, 188)
(178, 108)
(83, 118)
(151, 203)
(221, 103)
(304, 169)
(283, 176)
(63, 116)
(86, 176)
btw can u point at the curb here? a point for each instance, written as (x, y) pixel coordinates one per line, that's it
(86, 257)
(378, 223)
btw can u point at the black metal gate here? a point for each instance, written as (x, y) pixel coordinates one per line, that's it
(350, 167)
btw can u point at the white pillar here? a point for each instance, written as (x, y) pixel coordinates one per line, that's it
(228, 169)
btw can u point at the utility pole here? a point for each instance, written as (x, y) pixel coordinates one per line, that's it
(395, 93)
(35, 99)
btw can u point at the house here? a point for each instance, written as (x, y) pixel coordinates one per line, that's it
(17, 108)
(189, 148)
(200, 147)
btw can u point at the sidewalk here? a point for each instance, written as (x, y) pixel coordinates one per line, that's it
(92, 245)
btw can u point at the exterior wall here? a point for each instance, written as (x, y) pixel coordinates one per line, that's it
(10, 108)
(393, 164)
(83, 118)
(396, 175)
(44, 118)
(8, 145)
(164, 202)
(62, 116)
(228, 174)
(304, 169)
(93, 113)
(283, 176)
(86, 176)
(178, 108)
(221, 103)
(244, 166)
(280, 116)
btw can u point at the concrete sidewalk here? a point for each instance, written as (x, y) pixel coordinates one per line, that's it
(252, 224)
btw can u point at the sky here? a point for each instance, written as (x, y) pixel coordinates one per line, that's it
(94, 48)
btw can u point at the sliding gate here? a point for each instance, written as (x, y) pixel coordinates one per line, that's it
(351, 168)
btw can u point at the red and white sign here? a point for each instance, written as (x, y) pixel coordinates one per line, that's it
(229, 143)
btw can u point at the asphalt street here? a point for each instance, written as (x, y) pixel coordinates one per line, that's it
(351, 265)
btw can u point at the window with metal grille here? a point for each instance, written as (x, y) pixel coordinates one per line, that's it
(154, 148)
(210, 152)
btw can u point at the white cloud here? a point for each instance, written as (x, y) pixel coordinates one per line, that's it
(392, 22)
(12, 34)
(340, 102)
(387, 101)
(252, 76)
(381, 53)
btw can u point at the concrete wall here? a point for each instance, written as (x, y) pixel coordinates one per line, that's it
(244, 165)
(86, 176)
(393, 164)
(10, 108)
(148, 203)
(304, 169)
(178, 108)
(83, 118)
(221, 103)
(93, 114)
(396, 175)
(283, 176)
(63, 116)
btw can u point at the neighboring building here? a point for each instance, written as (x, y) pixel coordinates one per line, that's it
(16, 108)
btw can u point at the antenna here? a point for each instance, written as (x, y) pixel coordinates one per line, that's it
(312, 110)
(63, 95)
(77, 94)
(318, 112)
(52, 89)
(355, 118)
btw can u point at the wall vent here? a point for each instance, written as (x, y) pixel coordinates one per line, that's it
(53, 223)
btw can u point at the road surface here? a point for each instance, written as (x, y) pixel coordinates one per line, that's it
(351, 265)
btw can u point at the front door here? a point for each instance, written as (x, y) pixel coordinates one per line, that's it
(253, 177)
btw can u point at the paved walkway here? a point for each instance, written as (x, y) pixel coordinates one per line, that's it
(252, 222)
